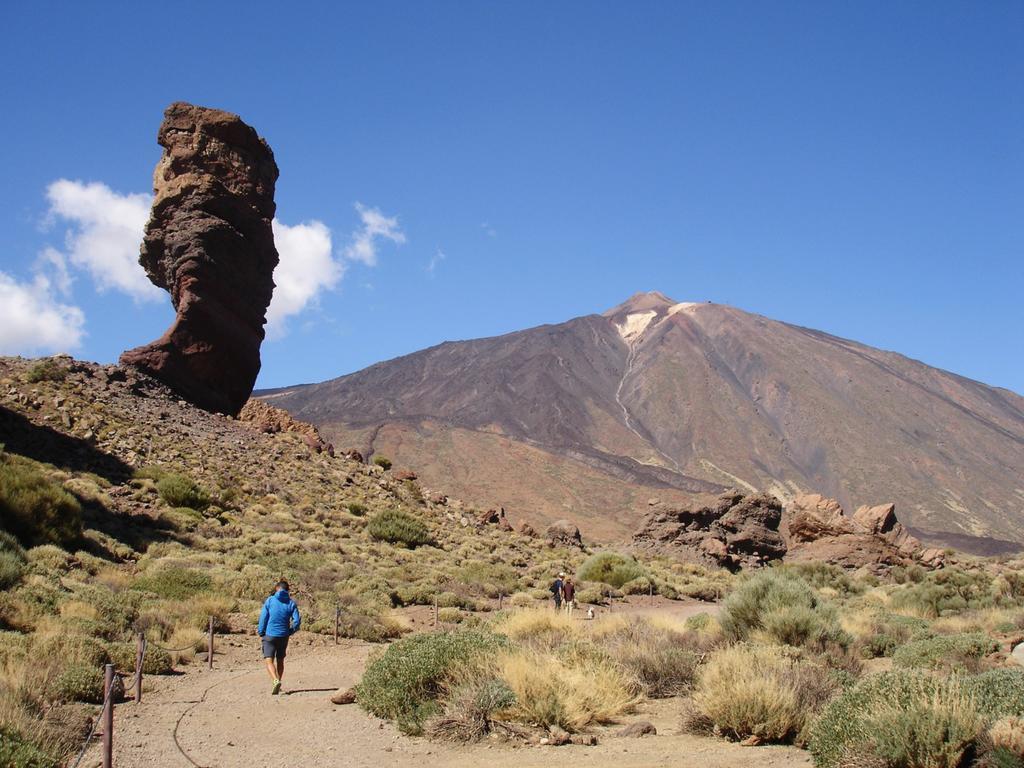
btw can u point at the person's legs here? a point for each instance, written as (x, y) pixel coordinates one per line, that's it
(270, 668)
(280, 667)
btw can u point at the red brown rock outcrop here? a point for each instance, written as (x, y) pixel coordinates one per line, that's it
(818, 529)
(742, 531)
(209, 242)
(270, 420)
(736, 531)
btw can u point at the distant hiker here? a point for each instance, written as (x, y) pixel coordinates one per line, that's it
(556, 591)
(569, 595)
(279, 620)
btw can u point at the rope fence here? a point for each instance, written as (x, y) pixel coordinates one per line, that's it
(143, 644)
(108, 695)
(107, 707)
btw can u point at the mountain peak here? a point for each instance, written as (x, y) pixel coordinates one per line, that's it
(643, 301)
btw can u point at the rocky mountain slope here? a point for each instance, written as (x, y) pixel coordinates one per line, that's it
(590, 418)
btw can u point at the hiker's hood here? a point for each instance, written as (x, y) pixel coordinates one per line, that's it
(283, 596)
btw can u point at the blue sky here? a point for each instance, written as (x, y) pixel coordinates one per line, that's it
(852, 167)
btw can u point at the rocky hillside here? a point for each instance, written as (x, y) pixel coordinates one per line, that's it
(591, 418)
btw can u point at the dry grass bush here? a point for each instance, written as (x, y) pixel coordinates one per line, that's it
(661, 654)
(474, 701)
(571, 690)
(1004, 742)
(763, 691)
(538, 628)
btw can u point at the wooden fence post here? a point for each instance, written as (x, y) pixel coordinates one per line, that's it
(209, 646)
(108, 716)
(501, 598)
(337, 622)
(140, 659)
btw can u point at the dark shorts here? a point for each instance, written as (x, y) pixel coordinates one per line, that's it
(274, 647)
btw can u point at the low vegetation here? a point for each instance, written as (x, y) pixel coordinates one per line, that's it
(905, 668)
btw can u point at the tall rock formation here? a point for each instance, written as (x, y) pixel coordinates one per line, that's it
(209, 243)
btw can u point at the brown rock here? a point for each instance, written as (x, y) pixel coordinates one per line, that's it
(811, 516)
(638, 729)
(528, 530)
(345, 696)
(817, 529)
(878, 519)
(734, 532)
(564, 532)
(209, 243)
(404, 474)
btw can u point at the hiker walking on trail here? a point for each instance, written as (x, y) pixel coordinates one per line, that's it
(569, 595)
(279, 620)
(556, 591)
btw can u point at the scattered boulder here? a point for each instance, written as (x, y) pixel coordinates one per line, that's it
(404, 474)
(209, 242)
(528, 530)
(736, 531)
(564, 532)
(638, 729)
(344, 696)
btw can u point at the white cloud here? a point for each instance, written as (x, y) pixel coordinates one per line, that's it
(307, 267)
(375, 226)
(436, 259)
(488, 229)
(33, 321)
(105, 234)
(52, 259)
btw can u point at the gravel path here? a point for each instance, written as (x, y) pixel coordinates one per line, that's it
(226, 718)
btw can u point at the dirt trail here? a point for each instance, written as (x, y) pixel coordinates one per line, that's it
(226, 718)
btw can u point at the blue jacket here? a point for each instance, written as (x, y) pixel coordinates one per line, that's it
(280, 616)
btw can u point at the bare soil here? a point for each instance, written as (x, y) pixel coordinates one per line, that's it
(227, 718)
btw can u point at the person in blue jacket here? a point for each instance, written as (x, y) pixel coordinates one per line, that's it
(279, 620)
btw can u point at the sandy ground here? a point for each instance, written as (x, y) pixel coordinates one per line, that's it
(226, 718)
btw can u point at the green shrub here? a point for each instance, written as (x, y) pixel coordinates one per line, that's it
(174, 583)
(945, 592)
(180, 491)
(17, 751)
(821, 575)
(404, 682)
(449, 615)
(356, 508)
(951, 652)
(46, 370)
(80, 682)
(34, 508)
(149, 472)
(398, 527)
(912, 718)
(156, 661)
(12, 568)
(998, 692)
(73, 649)
(784, 606)
(382, 462)
(610, 568)
(9, 543)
